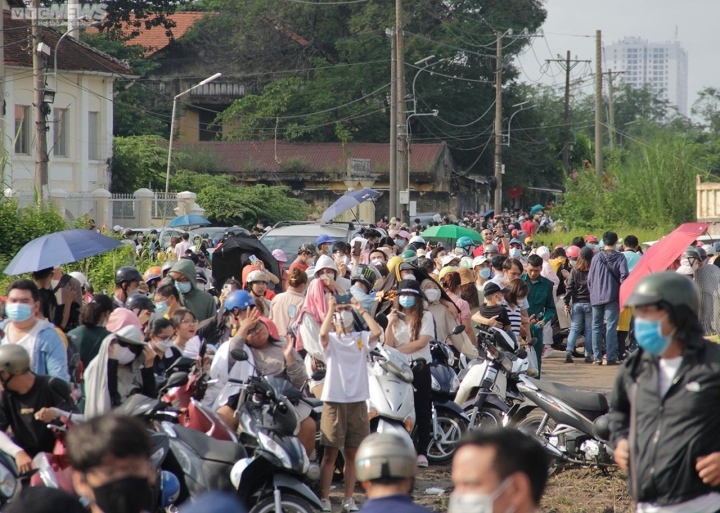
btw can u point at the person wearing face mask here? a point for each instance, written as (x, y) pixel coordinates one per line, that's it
(305, 258)
(122, 367)
(662, 415)
(386, 468)
(515, 248)
(28, 401)
(89, 335)
(162, 335)
(341, 255)
(200, 303)
(167, 300)
(345, 420)
(143, 307)
(445, 321)
(111, 465)
(402, 238)
(483, 272)
(324, 244)
(127, 280)
(363, 279)
(410, 329)
(501, 470)
(38, 337)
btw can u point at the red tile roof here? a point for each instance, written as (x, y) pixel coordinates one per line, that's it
(237, 156)
(72, 54)
(154, 39)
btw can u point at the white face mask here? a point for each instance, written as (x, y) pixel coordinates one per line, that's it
(432, 295)
(345, 318)
(377, 262)
(163, 345)
(344, 259)
(409, 276)
(124, 355)
(476, 502)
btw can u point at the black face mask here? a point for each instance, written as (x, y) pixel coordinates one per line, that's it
(127, 495)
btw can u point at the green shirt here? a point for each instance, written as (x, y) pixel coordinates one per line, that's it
(87, 341)
(540, 299)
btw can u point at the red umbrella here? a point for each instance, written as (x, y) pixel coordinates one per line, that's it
(662, 254)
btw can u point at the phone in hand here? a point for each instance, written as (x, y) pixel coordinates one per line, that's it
(400, 315)
(357, 248)
(253, 259)
(342, 299)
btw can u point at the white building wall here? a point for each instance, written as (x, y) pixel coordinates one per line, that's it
(662, 65)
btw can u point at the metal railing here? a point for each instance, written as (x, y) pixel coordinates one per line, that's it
(164, 206)
(123, 206)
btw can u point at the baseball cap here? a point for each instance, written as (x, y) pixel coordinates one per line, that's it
(491, 288)
(404, 234)
(515, 241)
(479, 260)
(450, 257)
(323, 239)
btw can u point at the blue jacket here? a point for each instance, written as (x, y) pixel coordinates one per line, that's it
(604, 287)
(50, 354)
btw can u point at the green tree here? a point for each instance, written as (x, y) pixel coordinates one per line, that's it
(137, 162)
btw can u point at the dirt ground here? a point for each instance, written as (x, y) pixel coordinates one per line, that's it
(569, 491)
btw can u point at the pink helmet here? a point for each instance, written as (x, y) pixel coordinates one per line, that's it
(572, 252)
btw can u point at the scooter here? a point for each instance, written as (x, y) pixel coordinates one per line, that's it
(571, 425)
(391, 407)
(448, 419)
(272, 478)
(488, 392)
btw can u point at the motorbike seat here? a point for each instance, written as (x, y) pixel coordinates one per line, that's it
(580, 400)
(209, 448)
(312, 402)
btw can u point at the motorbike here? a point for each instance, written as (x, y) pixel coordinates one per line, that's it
(572, 425)
(187, 399)
(391, 407)
(10, 479)
(448, 419)
(272, 478)
(488, 392)
(199, 461)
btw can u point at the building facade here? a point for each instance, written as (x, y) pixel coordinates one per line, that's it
(664, 66)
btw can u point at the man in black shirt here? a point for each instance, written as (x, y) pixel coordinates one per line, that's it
(27, 403)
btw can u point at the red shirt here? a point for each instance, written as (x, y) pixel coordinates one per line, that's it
(302, 267)
(529, 227)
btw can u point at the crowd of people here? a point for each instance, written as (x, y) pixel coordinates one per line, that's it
(67, 353)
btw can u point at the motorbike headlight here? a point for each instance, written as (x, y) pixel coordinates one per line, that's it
(275, 449)
(8, 483)
(372, 412)
(435, 385)
(454, 385)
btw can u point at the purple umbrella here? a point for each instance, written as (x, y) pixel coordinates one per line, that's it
(348, 201)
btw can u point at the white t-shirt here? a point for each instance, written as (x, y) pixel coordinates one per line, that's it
(402, 336)
(346, 378)
(192, 347)
(181, 248)
(667, 368)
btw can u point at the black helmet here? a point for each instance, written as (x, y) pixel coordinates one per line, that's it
(692, 256)
(701, 251)
(365, 274)
(139, 302)
(127, 274)
(668, 288)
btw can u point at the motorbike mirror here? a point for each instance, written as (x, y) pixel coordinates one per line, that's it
(182, 364)
(419, 364)
(318, 375)
(521, 353)
(382, 320)
(458, 329)
(177, 379)
(239, 354)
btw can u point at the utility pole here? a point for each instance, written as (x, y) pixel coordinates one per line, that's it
(567, 64)
(403, 180)
(41, 153)
(392, 209)
(498, 125)
(611, 105)
(3, 111)
(598, 105)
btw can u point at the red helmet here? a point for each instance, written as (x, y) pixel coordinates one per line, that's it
(591, 239)
(514, 233)
(572, 252)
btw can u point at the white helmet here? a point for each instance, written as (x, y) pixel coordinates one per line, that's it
(79, 277)
(385, 456)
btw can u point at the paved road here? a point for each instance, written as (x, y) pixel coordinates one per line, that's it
(579, 374)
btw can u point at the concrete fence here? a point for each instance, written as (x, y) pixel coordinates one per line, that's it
(141, 209)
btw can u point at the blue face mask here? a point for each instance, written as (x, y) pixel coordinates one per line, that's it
(649, 336)
(400, 243)
(18, 312)
(161, 307)
(515, 253)
(366, 300)
(484, 273)
(407, 301)
(183, 286)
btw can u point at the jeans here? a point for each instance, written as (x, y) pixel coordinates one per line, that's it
(609, 313)
(581, 321)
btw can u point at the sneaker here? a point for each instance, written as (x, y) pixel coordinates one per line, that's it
(597, 362)
(549, 352)
(422, 461)
(612, 362)
(325, 505)
(348, 504)
(568, 357)
(589, 359)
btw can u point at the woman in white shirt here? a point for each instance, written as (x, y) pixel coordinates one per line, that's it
(410, 329)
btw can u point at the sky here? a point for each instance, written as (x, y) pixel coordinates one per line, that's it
(571, 25)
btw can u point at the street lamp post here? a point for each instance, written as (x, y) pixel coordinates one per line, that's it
(513, 115)
(172, 133)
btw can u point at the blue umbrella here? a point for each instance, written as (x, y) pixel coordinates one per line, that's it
(189, 220)
(537, 208)
(488, 213)
(59, 248)
(348, 201)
